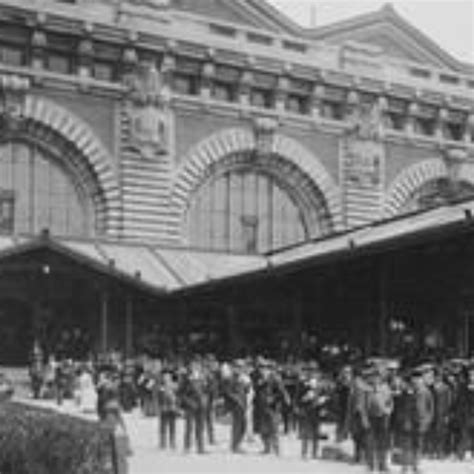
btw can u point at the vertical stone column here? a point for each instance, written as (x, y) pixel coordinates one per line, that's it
(440, 127)
(168, 66)
(281, 94)
(245, 88)
(317, 101)
(412, 114)
(208, 74)
(85, 57)
(39, 42)
(469, 129)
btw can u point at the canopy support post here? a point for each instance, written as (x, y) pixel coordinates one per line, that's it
(129, 309)
(104, 321)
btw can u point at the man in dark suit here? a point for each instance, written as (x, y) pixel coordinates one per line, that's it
(167, 410)
(357, 422)
(416, 410)
(379, 410)
(442, 405)
(271, 396)
(235, 396)
(192, 394)
(310, 403)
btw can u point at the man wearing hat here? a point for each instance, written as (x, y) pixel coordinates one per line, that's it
(235, 395)
(167, 409)
(271, 395)
(357, 422)
(379, 410)
(442, 406)
(192, 393)
(119, 442)
(309, 408)
(416, 409)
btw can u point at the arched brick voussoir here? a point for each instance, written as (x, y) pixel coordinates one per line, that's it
(225, 142)
(305, 160)
(408, 181)
(55, 117)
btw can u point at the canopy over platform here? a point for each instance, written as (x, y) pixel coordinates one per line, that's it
(416, 269)
(168, 270)
(155, 269)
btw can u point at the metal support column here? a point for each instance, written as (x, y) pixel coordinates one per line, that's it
(383, 309)
(104, 321)
(129, 307)
(232, 329)
(297, 326)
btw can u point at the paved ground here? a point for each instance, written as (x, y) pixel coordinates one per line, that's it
(148, 459)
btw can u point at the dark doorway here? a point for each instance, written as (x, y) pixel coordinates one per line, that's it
(16, 333)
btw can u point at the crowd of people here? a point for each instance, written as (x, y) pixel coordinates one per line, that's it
(393, 414)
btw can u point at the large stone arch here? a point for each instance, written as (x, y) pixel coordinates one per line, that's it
(414, 177)
(215, 148)
(44, 119)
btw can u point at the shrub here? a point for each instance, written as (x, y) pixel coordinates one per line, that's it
(37, 441)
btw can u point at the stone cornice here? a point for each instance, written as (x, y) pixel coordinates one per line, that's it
(66, 82)
(183, 103)
(355, 65)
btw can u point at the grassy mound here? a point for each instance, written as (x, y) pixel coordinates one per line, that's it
(37, 441)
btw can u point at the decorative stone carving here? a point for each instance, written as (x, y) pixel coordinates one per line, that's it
(363, 163)
(366, 121)
(364, 150)
(264, 131)
(149, 111)
(12, 96)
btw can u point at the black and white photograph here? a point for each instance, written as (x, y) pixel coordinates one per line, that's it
(236, 236)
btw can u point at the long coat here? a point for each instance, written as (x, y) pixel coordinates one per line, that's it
(415, 410)
(271, 396)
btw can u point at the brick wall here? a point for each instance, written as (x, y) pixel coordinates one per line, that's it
(400, 156)
(97, 112)
(193, 126)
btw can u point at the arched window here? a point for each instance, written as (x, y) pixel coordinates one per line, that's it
(244, 210)
(38, 192)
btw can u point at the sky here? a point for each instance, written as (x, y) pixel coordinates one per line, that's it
(449, 22)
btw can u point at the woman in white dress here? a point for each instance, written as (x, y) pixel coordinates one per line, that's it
(87, 392)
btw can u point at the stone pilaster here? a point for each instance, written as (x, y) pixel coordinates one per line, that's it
(317, 101)
(208, 74)
(245, 87)
(362, 163)
(85, 57)
(281, 94)
(39, 43)
(147, 151)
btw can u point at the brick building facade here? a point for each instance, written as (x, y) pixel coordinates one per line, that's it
(170, 117)
(222, 125)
